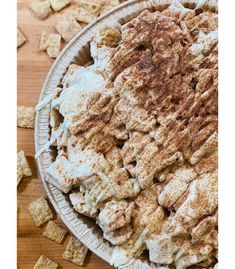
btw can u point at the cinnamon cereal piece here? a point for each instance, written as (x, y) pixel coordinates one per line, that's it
(40, 211)
(25, 117)
(51, 43)
(86, 11)
(109, 37)
(54, 232)
(45, 263)
(54, 48)
(43, 41)
(23, 168)
(58, 176)
(41, 9)
(68, 27)
(20, 38)
(23, 163)
(54, 41)
(75, 252)
(57, 5)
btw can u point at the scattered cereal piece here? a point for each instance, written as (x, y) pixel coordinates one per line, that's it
(41, 9)
(75, 251)
(23, 163)
(20, 38)
(109, 37)
(51, 43)
(54, 41)
(54, 232)
(25, 117)
(45, 263)
(40, 211)
(86, 11)
(43, 45)
(23, 168)
(57, 5)
(68, 27)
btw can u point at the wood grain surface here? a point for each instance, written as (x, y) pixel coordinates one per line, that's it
(32, 68)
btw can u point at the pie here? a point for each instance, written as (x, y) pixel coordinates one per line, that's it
(136, 137)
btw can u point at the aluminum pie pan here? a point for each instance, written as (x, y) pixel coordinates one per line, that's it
(78, 50)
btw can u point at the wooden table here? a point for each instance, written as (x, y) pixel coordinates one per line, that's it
(32, 70)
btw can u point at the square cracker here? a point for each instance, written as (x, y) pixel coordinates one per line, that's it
(87, 11)
(57, 5)
(40, 211)
(54, 232)
(68, 27)
(45, 263)
(75, 252)
(51, 43)
(25, 117)
(20, 38)
(43, 45)
(23, 168)
(41, 9)
(54, 43)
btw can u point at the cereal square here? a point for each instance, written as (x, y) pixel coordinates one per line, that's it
(41, 9)
(40, 211)
(43, 45)
(75, 252)
(54, 232)
(45, 263)
(25, 117)
(51, 43)
(86, 11)
(57, 5)
(109, 37)
(54, 41)
(23, 165)
(68, 27)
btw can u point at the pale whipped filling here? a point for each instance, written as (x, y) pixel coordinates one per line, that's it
(204, 43)
(85, 84)
(120, 256)
(73, 101)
